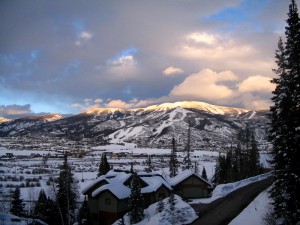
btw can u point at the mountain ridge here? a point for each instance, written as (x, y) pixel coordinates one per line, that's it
(151, 126)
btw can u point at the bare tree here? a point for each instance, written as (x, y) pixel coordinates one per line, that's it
(32, 197)
(45, 160)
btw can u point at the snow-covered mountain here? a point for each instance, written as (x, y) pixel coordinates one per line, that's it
(14, 127)
(211, 126)
(202, 106)
(3, 120)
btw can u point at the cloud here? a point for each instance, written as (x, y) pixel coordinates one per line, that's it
(12, 111)
(118, 104)
(100, 35)
(123, 66)
(204, 85)
(169, 71)
(83, 37)
(87, 100)
(89, 104)
(219, 88)
(212, 46)
(253, 102)
(203, 37)
(79, 106)
(257, 83)
(98, 100)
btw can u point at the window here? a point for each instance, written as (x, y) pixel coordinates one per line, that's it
(107, 201)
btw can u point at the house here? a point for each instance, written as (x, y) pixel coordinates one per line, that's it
(108, 195)
(190, 185)
(9, 155)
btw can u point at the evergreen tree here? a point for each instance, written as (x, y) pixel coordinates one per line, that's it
(244, 135)
(173, 164)
(104, 166)
(83, 214)
(254, 162)
(285, 122)
(196, 169)
(225, 169)
(131, 167)
(136, 210)
(46, 210)
(17, 205)
(220, 170)
(187, 162)
(41, 206)
(67, 193)
(244, 140)
(228, 168)
(149, 164)
(204, 175)
(53, 214)
(236, 162)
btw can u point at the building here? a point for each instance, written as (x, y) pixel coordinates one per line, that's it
(9, 155)
(190, 185)
(108, 195)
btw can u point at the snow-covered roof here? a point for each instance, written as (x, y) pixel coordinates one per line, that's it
(116, 184)
(184, 175)
(92, 184)
(154, 182)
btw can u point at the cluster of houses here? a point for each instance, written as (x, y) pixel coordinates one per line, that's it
(108, 195)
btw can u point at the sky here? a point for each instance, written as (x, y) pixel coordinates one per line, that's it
(70, 56)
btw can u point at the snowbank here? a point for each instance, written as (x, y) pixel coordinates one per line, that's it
(255, 212)
(183, 214)
(224, 189)
(10, 219)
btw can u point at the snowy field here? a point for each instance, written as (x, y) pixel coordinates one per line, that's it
(34, 174)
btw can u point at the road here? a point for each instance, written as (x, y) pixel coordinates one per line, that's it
(223, 210)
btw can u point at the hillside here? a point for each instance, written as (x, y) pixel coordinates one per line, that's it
(211, 126)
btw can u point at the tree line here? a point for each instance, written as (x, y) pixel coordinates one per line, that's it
(241, 162)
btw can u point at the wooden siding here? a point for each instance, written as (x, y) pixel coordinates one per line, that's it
(105, 212)
(192, 187)
(108, 218)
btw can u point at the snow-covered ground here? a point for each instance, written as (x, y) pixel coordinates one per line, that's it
(252, 215)
(255, 212)
(182, 214)
(15, 171)
(85, 171)
(9, 219)
(222, 190)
